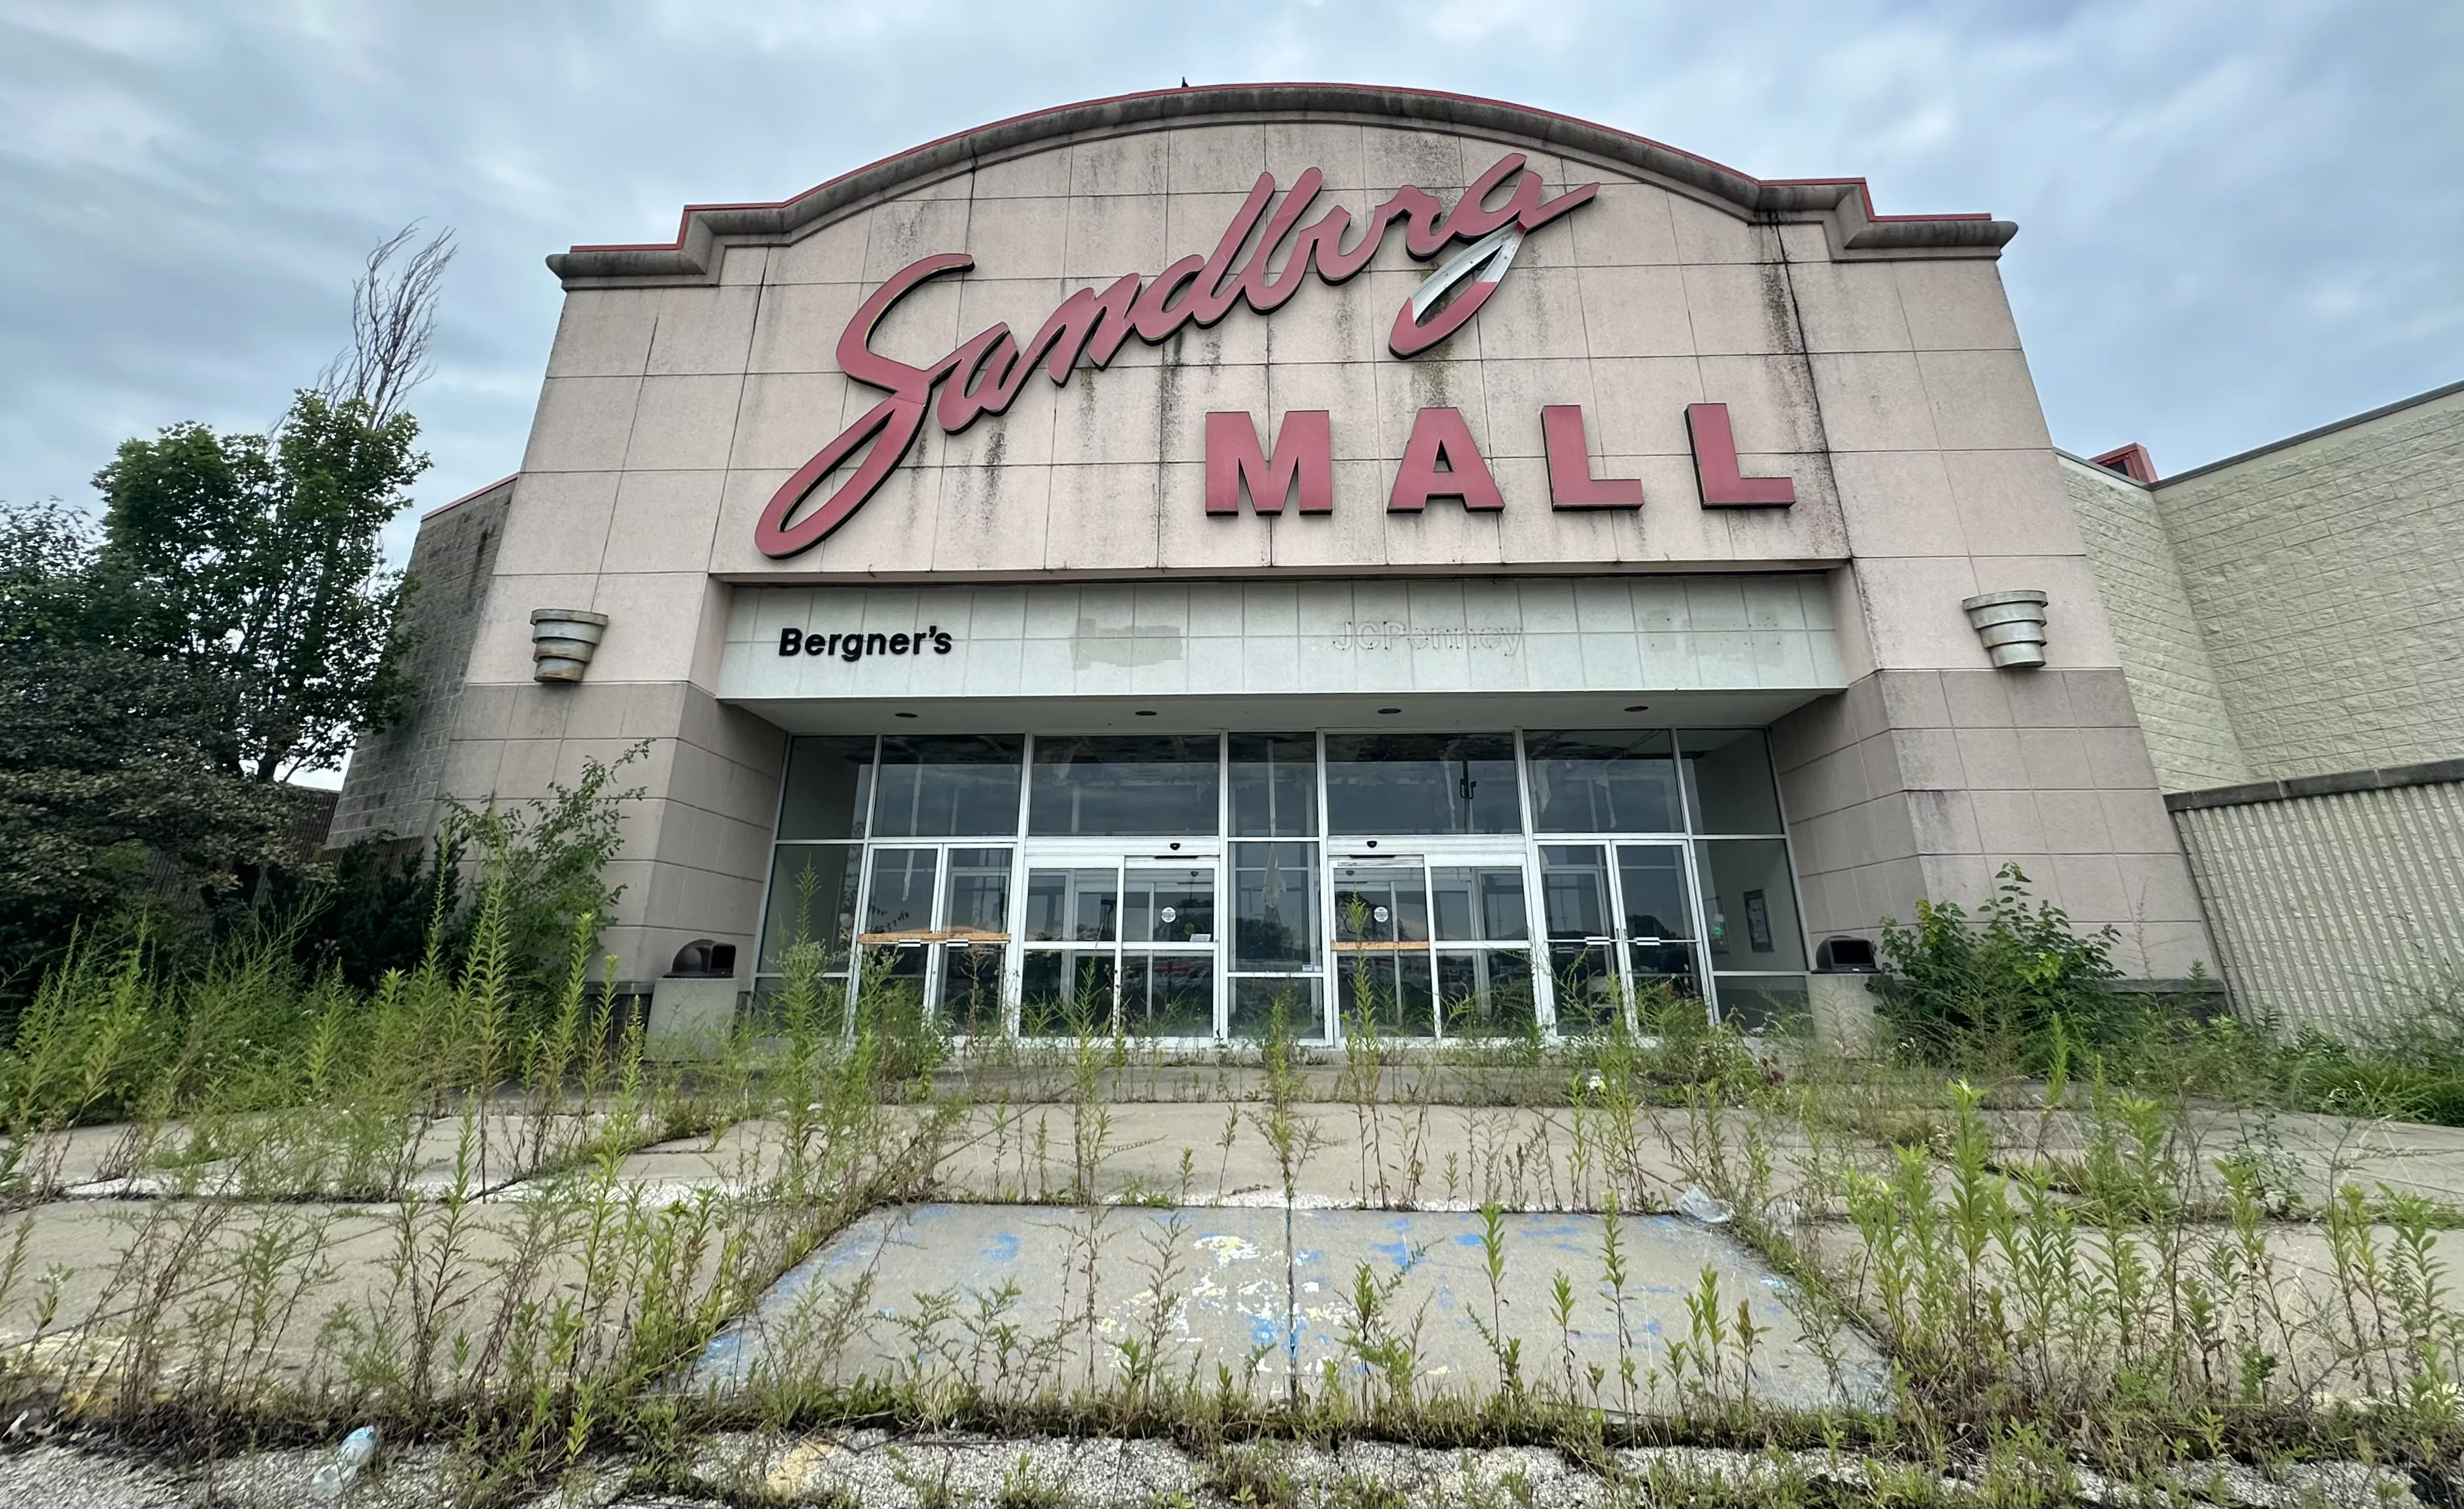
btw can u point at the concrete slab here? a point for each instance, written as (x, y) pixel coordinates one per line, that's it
(2304, 1156)
(740, 1159)
(924, 1295)
(308, 1155)
(1424, 1157)
(303, 1293)
(48, 1163)
(91, 1275)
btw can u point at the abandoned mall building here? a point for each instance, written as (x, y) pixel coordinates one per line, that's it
(1184, 560)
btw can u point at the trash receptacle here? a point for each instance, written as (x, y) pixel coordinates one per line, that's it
(692, 1006)
(1838, 994)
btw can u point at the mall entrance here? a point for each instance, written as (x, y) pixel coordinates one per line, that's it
(1194, 888)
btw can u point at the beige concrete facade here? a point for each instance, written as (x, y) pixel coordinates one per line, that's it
(2328, 573)
(398, 772)
(1872, 362)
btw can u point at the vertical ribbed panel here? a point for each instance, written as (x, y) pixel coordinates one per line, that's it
(2342, 911)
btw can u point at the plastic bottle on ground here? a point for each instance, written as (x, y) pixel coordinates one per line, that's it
(334, 1477)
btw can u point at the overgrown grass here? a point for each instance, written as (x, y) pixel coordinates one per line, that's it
(2058, 1270)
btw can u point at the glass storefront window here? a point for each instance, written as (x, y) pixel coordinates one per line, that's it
(974, 939)
(1381, 949)
(1421, 783)
(1749, 907)
(1763, 1002)
(812, 899)
(1167, 994)
(1728, 780)
(1123, 786)
(1658, 918)
(1169, 906)
(898, 903)
(829, 788)
(1653, 874)
(1274, 785)
(1067, 993)
(1486, 992)
(1479, 903)
(947, 787)
(1299, 1002)
(1072, 906)
(977, 905)
(1610, 782)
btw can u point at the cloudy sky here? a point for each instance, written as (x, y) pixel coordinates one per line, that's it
(2238, 218)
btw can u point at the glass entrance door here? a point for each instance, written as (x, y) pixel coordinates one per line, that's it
(1621, 928)
(1655, 920)
(936, 932)
(1121, 943)
(1434, 945)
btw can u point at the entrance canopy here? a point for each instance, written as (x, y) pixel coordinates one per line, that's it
(1739, 648)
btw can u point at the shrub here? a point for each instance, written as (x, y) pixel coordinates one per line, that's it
(2015, 974)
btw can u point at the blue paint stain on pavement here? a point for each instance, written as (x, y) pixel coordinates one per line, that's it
(1397, 1252)
(1467, 1238)
(1003, 1248)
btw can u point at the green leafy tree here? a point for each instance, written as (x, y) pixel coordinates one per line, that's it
(256, 559)
(108, 756)
(228, 624)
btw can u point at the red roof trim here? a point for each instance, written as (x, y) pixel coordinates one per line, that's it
(2131, 461)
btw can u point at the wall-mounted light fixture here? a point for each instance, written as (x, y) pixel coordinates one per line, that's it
(2011, 624)
(562, 642)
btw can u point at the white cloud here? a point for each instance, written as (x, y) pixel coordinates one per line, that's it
(2238, 220)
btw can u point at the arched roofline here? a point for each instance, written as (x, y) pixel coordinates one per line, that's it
(1842, 204)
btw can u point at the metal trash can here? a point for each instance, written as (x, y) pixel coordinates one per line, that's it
(1838, 994)
(692, 1006)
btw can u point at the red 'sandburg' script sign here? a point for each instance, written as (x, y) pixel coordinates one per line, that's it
(988, 371)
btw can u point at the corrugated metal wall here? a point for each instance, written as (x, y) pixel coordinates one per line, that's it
(2342, 910)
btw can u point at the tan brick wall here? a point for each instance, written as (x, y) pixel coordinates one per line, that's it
(2328, 574)
(2164, 655)
(2342, 911)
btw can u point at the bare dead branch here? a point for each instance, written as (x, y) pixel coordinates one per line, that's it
(393, 318)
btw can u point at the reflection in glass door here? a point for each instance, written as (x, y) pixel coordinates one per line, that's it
(1382, 948)
(973, 941)
(1275, 941)
(1168, 953)
(1656, 915)
(1434, 946)
(935, 931)
(1128, 946)
(1616, 936)
(1073, 943)
(1582, 941)
(1482, 942)
(897, 934)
